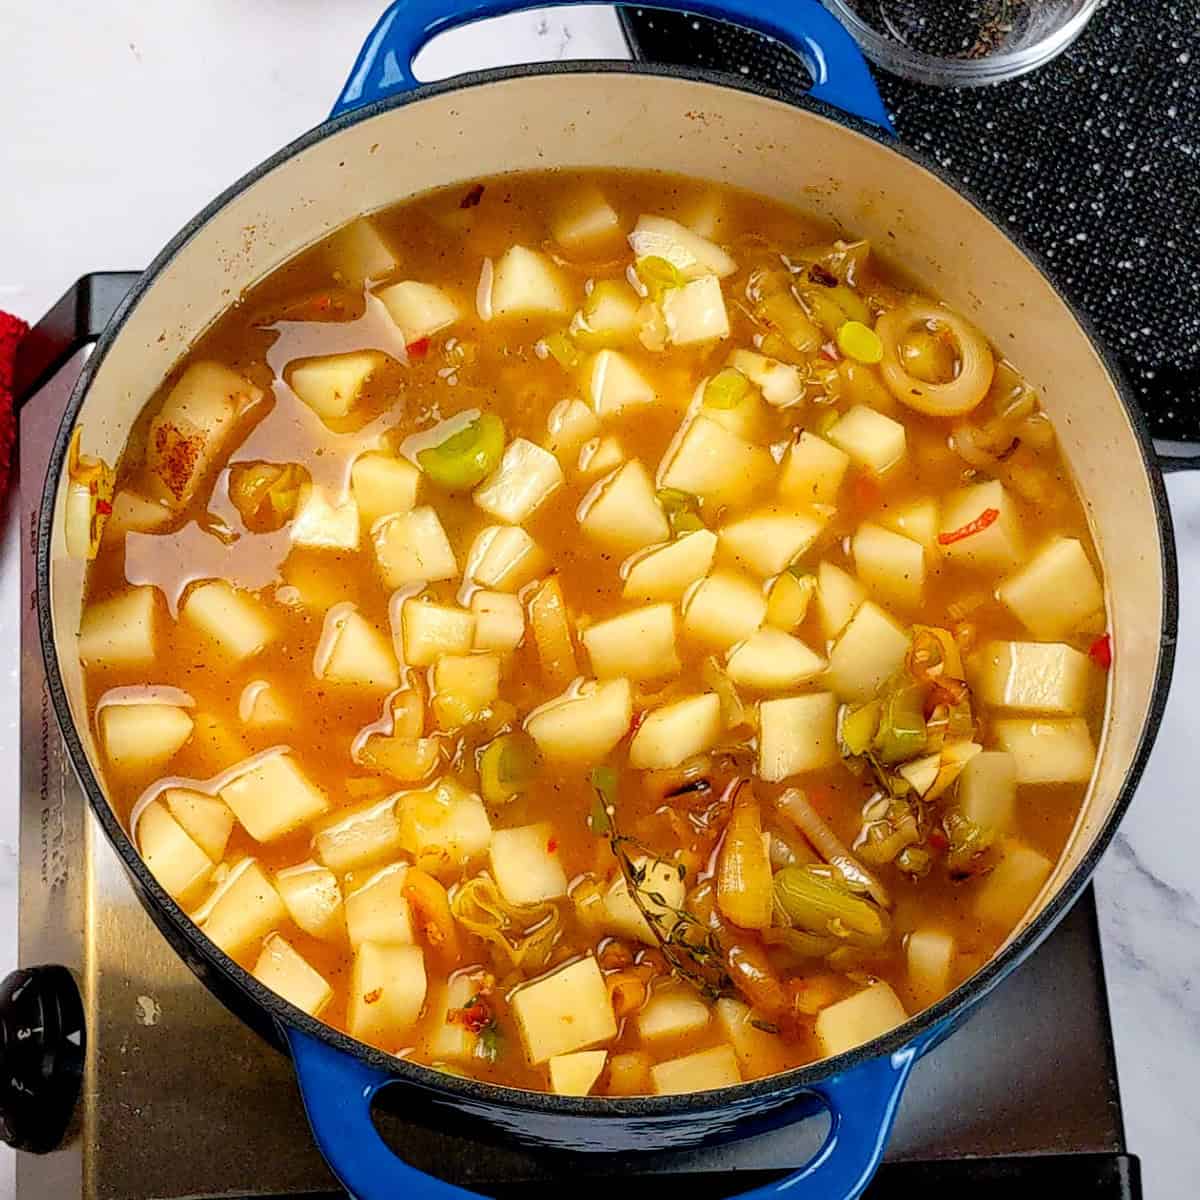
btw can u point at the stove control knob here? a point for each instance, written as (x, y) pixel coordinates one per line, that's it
(42, 1043)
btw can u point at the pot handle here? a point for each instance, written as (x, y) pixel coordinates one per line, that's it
(338, 1090)
(840, 73)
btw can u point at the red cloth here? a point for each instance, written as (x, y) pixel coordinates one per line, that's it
(12, 330)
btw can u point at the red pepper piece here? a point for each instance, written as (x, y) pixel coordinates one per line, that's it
(989, 516)
(1100, 651)
(419, 348)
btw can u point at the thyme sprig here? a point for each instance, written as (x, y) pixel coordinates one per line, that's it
(689, 945)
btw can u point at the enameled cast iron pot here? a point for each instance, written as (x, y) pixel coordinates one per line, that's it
(389, 138)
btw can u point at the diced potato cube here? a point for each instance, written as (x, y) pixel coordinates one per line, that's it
(780, 383)
(921, 773)
(638, 644)
(352, 651)
(274, 798)
(796, 734)
(313, 899)
(672, 1012)
(1004, 894)
(772, 661)
(358, 252)
(122, 631)
(526, 282)
(525, 479)
(703, 1071)
(722, 609)
(871, 439)
(207, 820)
(142, 737)
(405, 759)
(766, 542)
(919, 521)
(1048, 751)
(839, 595)
(621, 512)
(601, 455)
(695, 312)
(666, 572)
(860, 1018)
(569, 425)
(191, 429)
(387, 993)
(758, 1052)
(243, 910)
(813, 471)
(718, 466)
(870, 650)
(987, 790)
(585, 221)
(419, 310)
(611, 313)
(1055, 592)
(576, 1074)
(622, 913)
(998, 547)
(499, 621)
(463, 687)
(383, 485)
(690, 254)
(890, 564)
(584, 723)
(331, 385)
(1045, 677)
(444, 827)
(288, 974)
(677, 731)
(231, 619)
(413, 548)
(430, 630)
(504, 558)
(450, 1040)
(360, 836)
(378, 910)
(526, 865)
(615, 384)
(564, 1011)
(322, 525)
(930, 954)
(174, 859)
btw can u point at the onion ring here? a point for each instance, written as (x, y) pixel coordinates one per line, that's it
(955, 398)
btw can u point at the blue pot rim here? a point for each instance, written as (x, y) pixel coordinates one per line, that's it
(924, 1027)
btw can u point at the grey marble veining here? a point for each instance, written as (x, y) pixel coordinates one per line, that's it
(144, 75)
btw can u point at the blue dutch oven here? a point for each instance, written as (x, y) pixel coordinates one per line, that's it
(833, 152)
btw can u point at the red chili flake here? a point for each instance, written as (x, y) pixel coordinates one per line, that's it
(372, 996)
(830, 351)
(1100, 651)
(989, 516)
(419, 348)
(938, 840)
(104, 508)
(472, 197)
(324, 303)
(475, 1015)
(867, 492)
(822, 275)
(552, 845)
(636, 723)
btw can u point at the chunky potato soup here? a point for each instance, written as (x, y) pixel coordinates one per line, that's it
(596, 633)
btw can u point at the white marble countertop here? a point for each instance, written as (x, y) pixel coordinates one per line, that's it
(123, 119)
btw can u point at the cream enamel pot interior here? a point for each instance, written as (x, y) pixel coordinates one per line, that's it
(403, 141)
